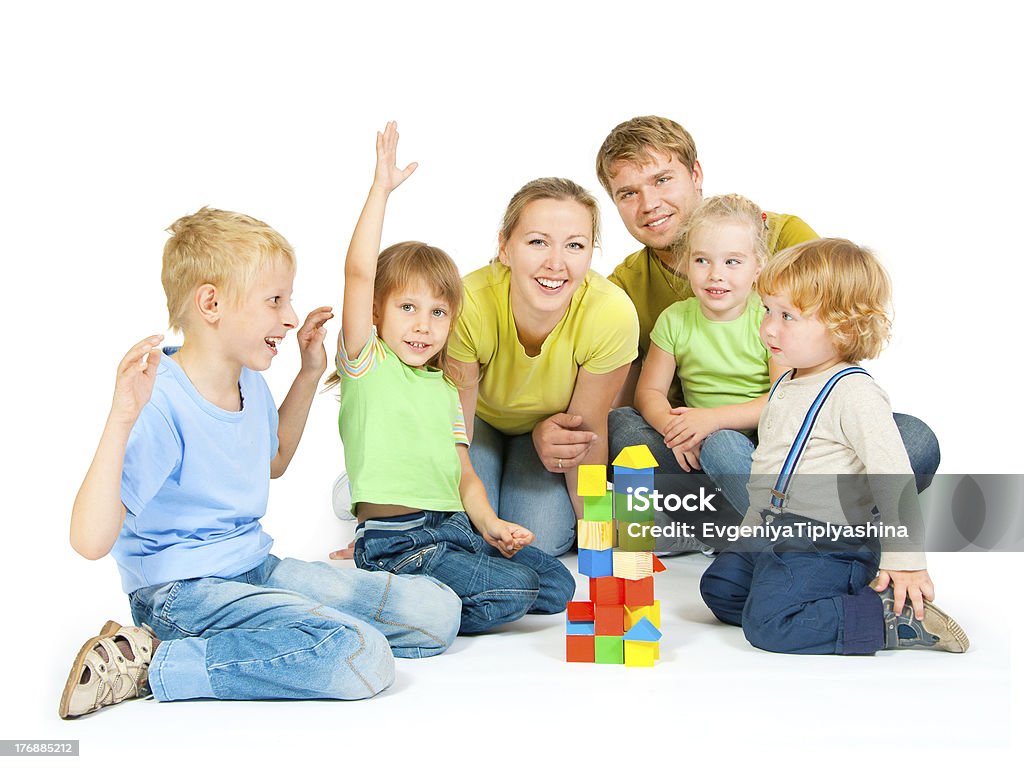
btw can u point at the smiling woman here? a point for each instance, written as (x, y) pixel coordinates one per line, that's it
(544, 344)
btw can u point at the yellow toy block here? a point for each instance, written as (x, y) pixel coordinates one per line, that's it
(632, 565)
(640, 654)
(635, 458)
(592, 481)
(633, 614)
(596, 535)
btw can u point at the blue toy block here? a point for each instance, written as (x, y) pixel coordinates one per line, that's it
(579, 628)
(643, 631)
(595, 563)
(625, 478)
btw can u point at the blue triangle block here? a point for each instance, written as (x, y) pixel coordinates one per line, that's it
(643, 630)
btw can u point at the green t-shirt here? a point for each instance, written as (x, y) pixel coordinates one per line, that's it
(400, 426)
(719, 363)
(652, 286)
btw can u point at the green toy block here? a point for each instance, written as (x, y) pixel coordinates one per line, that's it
(608, 650)
(642, 540)
(597, 508)
(623, 513)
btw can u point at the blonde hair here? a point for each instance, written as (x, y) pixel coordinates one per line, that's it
(843, 284)
(637, 139)
(222, 248)
(403, 264)
(725, 208)
(549, 188)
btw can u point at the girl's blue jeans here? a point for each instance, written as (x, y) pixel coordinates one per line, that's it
(494, 589)
(290, 629)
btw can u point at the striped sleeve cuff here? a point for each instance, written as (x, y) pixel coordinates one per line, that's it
(367, 359)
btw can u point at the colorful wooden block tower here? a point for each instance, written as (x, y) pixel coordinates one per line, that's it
(621, 622)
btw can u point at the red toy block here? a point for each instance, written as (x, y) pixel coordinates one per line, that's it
(580, 611)
(609, 620)
(579, 648)
(658, 565)
(639, 592)
(606, 591)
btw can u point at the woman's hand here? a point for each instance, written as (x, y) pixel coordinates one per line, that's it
(559, 442)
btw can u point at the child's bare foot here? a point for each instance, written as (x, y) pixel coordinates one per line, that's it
(110, 668)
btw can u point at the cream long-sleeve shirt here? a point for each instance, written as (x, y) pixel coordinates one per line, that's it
(855, 459)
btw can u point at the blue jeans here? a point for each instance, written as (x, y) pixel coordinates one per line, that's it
(291, 630)
(798, 596)
(494, 589)
(521, 490)
(726, 457)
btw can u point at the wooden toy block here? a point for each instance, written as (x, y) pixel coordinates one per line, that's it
(580, 611)
(635, 458)
(635, 537)
(598, 508)
(639, 592)
(596, 535)
(579, 648)
(579, 628)
(595, 563)
(639, 512)
(608, 650)
(592, 481)
(658, 565)
(634, 614)
(643, 631)
(639, 654)
(608, 620)
(607, 591)
(632, 565)
(627, 479)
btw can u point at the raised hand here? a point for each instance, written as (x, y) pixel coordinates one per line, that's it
(136, 374)
(388, 175)
(311, 340)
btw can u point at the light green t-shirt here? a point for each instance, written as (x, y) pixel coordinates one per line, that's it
(400, 426)
(652, 286)
(719, 363)
(598, 333)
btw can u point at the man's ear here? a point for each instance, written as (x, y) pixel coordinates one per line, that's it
(698, 177)
(207, 303)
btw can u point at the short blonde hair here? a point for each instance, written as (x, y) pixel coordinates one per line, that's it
(843, 284)
(549, 188)
(222, 248)
(720, 209)
(636, 140)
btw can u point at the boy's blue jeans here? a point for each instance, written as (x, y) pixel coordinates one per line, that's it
(290, 629)
(797, 595)
(494, 589)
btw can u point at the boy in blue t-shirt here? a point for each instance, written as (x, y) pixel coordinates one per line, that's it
(178, 485)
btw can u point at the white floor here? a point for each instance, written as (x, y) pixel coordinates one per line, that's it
(509, 696)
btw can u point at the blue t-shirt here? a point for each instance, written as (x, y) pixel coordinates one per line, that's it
(195, 482)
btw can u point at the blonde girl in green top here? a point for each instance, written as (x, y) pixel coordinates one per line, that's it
(710, 341)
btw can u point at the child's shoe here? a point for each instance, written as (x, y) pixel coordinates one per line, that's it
(936, 631)
(104, 674)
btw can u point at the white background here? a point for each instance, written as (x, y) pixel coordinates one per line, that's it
(895, 126)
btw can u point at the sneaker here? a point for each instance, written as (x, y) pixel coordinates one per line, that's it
(669, 547)
(106, 673)
(341, 498)
(936, 631)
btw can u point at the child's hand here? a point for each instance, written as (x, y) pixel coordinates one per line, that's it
(311, 340)
(688, 459)
(135, 377)
(508, 538)
(347, 553)
(689, 427)
(388, 175)
(915, 585)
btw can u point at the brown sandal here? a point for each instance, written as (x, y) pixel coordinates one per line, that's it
(103, 674)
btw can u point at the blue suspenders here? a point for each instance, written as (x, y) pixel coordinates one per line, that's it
(781, 488)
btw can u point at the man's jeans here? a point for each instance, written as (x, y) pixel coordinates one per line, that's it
(797, 595)
(291, 630)
(494, 589)
(521, 490)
